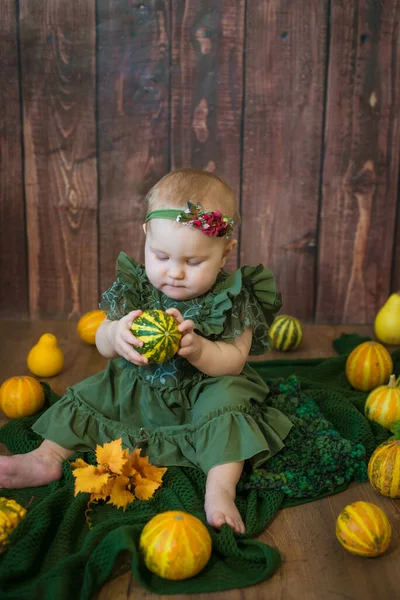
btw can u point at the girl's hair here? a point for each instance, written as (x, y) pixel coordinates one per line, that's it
(177, 188)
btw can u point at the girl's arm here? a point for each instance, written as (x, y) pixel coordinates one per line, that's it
(104, 339)
(114, 338)
(212, 358)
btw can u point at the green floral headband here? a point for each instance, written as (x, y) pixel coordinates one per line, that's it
(212, 223)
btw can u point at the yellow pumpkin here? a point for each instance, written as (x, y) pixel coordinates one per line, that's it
(11, 513)
(175, 545)
(46, 359)
(384, 469)
(21, 397)
(383, 404)
(363, 529)
(89, 323)
(368, 366)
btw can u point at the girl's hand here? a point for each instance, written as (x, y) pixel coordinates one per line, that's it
(191, 343)
(122, 339)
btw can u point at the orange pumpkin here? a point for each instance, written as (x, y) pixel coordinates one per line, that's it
(363, 529)
(21, 397)
(384, 469)
(175, 545)
(368, 366)
(88, 325)
(383, 404)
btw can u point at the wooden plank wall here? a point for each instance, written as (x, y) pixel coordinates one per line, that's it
(282, 149)
(57, 44)
(295, 103)
(361, 166)
(14, 297)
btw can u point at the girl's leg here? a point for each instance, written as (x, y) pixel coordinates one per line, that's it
(36, 468)
(220, 497)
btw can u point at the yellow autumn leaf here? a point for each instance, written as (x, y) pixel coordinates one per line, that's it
(141, 464)
(137, 460)
(105, 491)
(89, 479)
(78, 463)
(120, 496)
(144, 488)
(112, 455)
(117, 473)
(153, 473)
(128, 470)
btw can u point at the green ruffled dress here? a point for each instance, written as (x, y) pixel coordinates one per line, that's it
(176, 413)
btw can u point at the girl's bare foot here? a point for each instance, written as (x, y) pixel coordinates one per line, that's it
(34, 469)
(220, 508)
(220, 504)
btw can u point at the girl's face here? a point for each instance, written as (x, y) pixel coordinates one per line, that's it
(182, 262)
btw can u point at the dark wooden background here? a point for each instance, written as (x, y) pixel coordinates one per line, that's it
(295, 102)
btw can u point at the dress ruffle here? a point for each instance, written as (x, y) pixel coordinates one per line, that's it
(245, 298)
(230, 433)
(129, 291)
(176, 413)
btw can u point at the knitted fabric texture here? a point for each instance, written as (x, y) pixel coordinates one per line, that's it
(53, 553)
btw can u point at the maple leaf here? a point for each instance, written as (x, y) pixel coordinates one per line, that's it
(154, 473)
(137, 460)
(144, 488)
(141, 464)
(128, 470)
(112, 455)
(120, 496)
(89, 479)
(117, 473)
(105, 491)
(78, 463)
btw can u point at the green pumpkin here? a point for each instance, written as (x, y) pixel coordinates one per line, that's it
(159, 333)
(286, 333)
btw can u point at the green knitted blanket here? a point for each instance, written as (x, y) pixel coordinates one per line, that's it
(53, 553)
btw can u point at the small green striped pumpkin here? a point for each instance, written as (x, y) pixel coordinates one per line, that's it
(286, 333)
(159, 334)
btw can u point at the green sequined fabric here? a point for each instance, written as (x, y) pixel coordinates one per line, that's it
(316, 460)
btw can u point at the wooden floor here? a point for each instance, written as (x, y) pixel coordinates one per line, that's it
(314, 565)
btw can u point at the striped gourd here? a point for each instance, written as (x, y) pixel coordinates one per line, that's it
(368, 366)
(384, 469)
(175, 545)
(11, 513)
(159, 333)
(89, 323)
(286, 333)
(21, 396)
(363, 529)
(383, 404)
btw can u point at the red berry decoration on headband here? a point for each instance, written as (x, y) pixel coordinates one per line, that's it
(211, 223)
